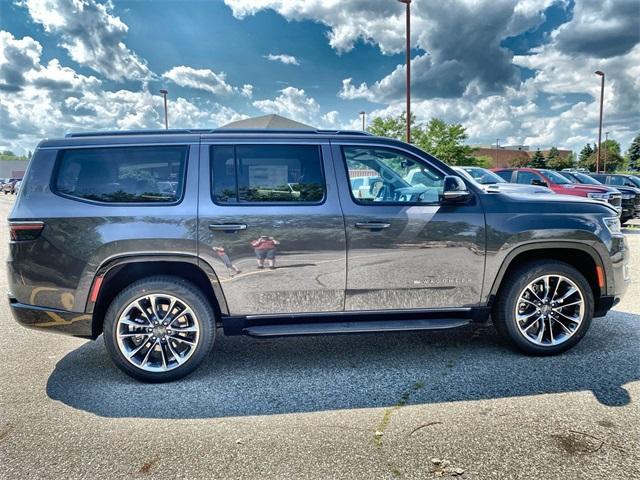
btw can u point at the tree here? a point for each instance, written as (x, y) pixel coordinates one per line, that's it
(614, 161)
(483, 161)
(445, 141)
(439, 138)
(538, 160)
(585, 153)
(520, 162)
(557, 161)
(394, 127)
(633, 154)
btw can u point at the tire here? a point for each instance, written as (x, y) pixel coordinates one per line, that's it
(558, 325)
(176, 350)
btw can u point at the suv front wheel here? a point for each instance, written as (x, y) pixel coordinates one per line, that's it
(159, 329)
(545, 308)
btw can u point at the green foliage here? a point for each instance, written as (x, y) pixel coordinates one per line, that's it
(614, 161)
(557, 161)
(538, 160)
(585, 153)
(439, 138)
(520, 162)
(633, 154)
(9, 155)
(483, 161)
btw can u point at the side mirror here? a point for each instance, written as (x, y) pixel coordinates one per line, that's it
(455, 190)
(539, 183)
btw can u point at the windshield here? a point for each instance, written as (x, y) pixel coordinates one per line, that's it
(556, 178)
(483, 176)
(583, 178)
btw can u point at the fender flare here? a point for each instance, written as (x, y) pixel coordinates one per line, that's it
(559, 244)
(111, 263)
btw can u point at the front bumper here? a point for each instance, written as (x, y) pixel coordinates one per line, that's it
(52, 320)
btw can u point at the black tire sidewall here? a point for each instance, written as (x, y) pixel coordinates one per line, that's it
(186, 292)
(505, 321)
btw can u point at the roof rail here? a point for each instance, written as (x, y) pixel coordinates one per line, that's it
(202, 131)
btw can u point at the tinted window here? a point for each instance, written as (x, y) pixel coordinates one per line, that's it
(123, 174)
(556, 177)
(267, 173)
(616, 180)
(526, 178)
(397, 178)
(506, 174)
(600, 178)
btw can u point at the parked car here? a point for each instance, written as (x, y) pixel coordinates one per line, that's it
(625, 202)
(630, 184)
(491, 182)
(558, 183)
(100, 245)
(363, 187)
(16, 187)
(9, 186)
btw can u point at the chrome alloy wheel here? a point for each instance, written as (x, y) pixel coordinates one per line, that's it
(550, 310)
(157, 333)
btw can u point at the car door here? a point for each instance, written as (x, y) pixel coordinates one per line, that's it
(270, 225)
(526, 177)
(404, 249)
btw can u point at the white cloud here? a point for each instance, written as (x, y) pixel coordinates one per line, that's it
(92, 35)
(282, 58)
(205, 79)
(294, 103)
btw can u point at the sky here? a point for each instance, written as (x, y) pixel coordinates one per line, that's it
(521, 72)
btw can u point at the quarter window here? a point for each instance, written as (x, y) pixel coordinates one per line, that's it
(267, 173)
(123, 174)
(393, 177)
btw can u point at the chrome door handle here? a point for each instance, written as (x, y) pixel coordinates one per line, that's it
(227, 227)
(372, 225)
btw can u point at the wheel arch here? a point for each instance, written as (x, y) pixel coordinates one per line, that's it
(583, 257)
(118, 273)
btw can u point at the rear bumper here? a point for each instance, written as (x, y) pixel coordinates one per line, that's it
(52, 320)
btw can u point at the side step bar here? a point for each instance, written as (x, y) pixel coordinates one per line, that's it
(292, 329)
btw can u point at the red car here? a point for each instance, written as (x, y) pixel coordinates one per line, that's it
(558, 183)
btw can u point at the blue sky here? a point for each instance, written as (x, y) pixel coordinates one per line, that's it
(518, 71)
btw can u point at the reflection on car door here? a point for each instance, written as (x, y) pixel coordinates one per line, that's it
(404, 249)
(271, 226)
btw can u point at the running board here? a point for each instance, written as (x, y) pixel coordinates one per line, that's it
(292, 329)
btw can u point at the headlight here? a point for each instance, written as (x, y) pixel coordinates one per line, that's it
(612, 224)
(599, 196)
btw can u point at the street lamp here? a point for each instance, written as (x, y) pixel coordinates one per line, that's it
(601, 74)
(363, 114)
(606, 148)
(408, 80)
(497, 151)
(164, 93)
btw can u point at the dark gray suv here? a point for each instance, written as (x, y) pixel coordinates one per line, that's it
(157, 238)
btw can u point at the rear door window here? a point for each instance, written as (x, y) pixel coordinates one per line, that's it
(152, 174)
(267, 174)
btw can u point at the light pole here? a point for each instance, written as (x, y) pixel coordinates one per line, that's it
(497, 151)
(601, 74)
(164, 93)
(408, 80)
(363, 113)
(606, 148)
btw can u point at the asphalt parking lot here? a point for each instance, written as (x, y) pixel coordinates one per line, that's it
(454, 403)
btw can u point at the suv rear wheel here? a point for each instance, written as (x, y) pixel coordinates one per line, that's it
(159, 329)
(545, 308)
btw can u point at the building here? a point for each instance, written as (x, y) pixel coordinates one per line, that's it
(13, 168)
(505, 155)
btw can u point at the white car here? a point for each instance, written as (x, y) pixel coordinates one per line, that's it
(363, 187)
(491, 182)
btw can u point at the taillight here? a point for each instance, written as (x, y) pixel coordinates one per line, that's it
(21, 231)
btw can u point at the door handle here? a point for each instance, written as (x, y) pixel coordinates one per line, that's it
(372, 225)
(227, 227)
